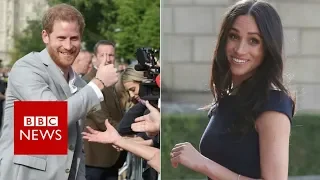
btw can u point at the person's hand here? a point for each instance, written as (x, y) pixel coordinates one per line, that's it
(117, 148)
(110, 136)
(186, 155)
(157, 62)
(149, 123)
(107, 73)
(145, 124)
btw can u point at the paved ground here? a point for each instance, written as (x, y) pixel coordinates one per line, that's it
(305, 178)
(290, 178)
(173, 108)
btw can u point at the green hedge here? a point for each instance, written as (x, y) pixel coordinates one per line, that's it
(304, 143)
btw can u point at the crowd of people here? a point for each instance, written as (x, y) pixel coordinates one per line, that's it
(101, 94)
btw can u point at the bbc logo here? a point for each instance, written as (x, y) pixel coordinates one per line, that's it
(42, 121)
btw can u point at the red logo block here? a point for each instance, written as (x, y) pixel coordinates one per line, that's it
(40, 128)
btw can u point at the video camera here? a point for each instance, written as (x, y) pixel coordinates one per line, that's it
(149, 90)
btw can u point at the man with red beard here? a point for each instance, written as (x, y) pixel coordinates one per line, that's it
(48, 76)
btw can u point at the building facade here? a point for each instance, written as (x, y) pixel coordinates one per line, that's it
(13, 19)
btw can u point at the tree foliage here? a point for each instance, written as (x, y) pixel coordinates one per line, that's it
(99, 16)
(139, 24)
(129, 23)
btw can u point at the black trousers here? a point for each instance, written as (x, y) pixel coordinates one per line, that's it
(96, 173)
(111, 173)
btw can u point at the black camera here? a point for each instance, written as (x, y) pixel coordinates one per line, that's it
(149, 90)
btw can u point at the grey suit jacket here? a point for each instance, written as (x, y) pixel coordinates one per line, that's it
(37, 77)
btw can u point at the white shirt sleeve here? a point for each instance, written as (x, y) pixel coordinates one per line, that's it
(97, 90)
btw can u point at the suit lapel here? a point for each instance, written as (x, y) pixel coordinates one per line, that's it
(79, 82)
(55, 73)
(88, 77)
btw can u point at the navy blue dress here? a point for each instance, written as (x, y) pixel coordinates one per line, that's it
(239, 152)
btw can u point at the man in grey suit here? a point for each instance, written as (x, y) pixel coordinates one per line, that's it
(48, 76)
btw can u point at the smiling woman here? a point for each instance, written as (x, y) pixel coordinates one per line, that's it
(250, 121)
(244, 48)
(128, 86)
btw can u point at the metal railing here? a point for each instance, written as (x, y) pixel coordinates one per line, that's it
(132, 168)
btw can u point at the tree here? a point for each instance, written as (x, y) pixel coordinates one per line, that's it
(99, 15)
(149, 29)
(139, 25)
(27, 41)
(129, 23)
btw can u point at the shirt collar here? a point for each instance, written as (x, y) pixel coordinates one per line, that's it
(72, 76)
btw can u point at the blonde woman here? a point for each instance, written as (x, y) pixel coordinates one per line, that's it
(128, 87)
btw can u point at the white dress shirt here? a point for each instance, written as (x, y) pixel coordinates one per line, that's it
(74, 89)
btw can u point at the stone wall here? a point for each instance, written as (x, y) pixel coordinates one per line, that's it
(13, 18)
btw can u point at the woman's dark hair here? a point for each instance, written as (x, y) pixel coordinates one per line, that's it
(253, 92)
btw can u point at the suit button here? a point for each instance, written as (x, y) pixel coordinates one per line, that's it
(71, 147)
(67, 170)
